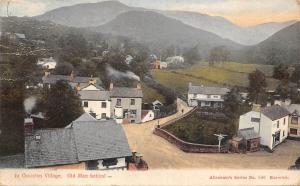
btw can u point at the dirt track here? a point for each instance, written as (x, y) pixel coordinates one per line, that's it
(160, 154)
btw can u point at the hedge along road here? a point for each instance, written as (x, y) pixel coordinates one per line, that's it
(160, 154)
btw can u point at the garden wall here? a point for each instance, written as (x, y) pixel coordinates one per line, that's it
(186, 146)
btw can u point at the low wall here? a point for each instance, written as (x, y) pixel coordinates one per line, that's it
(186, 146)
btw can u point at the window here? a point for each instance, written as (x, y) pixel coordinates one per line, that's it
(132, 111)
(255, 120)
(294, 120)
(103, 116)
(118, 102)
(216, 96)
(85, 104)
(293, 131)
(208, 96)
(277, 124)
(284, 121)
(283, 133)
(207, 103)
(103, 105)
(132, 101)
(110, 162)
(195, 95)
(132, 121)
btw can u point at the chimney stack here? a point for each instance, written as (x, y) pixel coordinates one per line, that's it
(72, 76)
(139, 86)
(256, 107)
(28, 126)
(111, 86)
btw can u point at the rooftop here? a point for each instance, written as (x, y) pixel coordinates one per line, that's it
(94, 95)
(126, 92)
(84, 139)
(248, 133)
(194, 89)
(275, 112)
(293, 109)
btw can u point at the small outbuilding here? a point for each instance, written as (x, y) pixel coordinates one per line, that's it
(250, 138)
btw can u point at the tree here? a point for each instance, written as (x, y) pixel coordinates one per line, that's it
(281, 72)
(219, 54)
(296, 75)
(62, 105)
(63, 68)
(232, 102)
(192, 55)
(257, 84)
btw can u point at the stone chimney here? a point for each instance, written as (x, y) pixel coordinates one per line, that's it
(111, 86)
(28, 126)
(72, 75)
(47, 73)
(139, 86)
(256, 107)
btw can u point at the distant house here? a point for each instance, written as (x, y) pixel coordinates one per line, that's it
(96, 101)
(157, 64)
(156, 104)
(126, 104)
(271, 123)
(75, 82)
(147, 115)
(84, 144)
(206, 96)
(47, 63)
(294, 120)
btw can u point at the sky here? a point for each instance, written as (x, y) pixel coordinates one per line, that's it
(240, 12)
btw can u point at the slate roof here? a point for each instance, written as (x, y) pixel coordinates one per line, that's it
(275, 112)
(13, 161)
(126, 92)
(100, 140)
(51, 79)
(193, 89)
(293, 109)
(94, 95)
(84, 139)
(248, 133)
(55, 147)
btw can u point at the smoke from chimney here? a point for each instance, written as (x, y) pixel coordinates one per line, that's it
(118, 74)
(29, 104)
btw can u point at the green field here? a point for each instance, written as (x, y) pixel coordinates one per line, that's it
(150, 95)
(223, 74)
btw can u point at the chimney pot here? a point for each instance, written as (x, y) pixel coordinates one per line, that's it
(111, 86)
(139, 86)
(28, 126)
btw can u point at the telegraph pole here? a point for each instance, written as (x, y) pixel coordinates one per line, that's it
(220, 137)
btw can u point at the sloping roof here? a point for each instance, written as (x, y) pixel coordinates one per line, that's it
(84, 139)
(293, 109)
(51, 79)
(14, 161)
(144, 113)
(207, 90)
(85, 117)
(55, 147)
(100, 140)
(126, 92)
(248, 133)
(94, 95)
(275, 112)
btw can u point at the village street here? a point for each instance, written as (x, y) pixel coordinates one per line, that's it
(160, 154)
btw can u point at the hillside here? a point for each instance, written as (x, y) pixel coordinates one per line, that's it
(282, 47)
(160, 31)
(85, 15)
(226, 29)
(96, 14)
(226, 74)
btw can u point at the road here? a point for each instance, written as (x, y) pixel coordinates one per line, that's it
(160, 154)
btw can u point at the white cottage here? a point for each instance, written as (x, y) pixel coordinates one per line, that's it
(206, 96)
(96, 101)
(271, 123)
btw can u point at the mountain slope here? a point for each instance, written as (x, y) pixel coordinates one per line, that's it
(96, 14)
(85, 15)
(282, 47)
(224, 28)
(161, 31)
